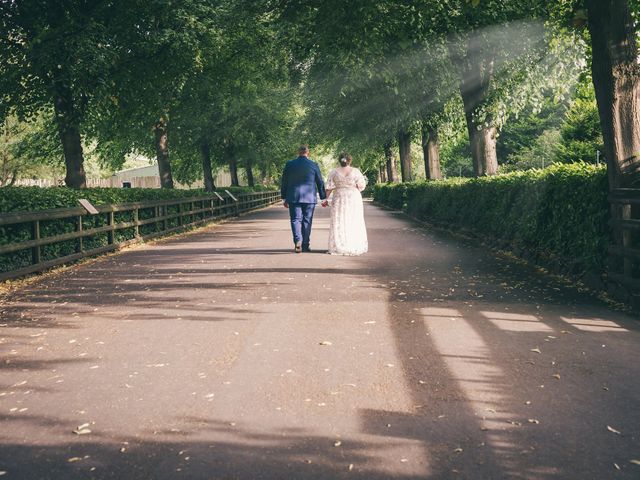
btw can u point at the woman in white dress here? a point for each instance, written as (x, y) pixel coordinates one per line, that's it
(347, 231)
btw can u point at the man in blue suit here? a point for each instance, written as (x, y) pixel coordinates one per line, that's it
(301, 182)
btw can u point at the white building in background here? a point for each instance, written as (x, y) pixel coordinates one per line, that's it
(139, 177)
(149, 177)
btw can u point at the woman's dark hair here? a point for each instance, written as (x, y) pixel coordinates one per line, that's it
(344, 159)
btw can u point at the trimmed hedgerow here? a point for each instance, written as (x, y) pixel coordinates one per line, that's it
(29, 199)
(560, 212)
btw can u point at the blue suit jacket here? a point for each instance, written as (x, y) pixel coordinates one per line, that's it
(301, 181)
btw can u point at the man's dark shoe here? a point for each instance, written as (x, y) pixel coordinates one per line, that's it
(298, 247)
(306, 249)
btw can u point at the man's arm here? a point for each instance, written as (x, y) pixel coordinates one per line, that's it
(320, 184)
(284, 182)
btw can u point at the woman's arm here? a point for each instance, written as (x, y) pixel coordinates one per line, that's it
(361, 182)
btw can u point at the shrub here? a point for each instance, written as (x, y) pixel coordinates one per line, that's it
(29, 199)
(560, 212)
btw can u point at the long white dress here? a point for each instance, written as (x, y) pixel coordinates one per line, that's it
(347, 230)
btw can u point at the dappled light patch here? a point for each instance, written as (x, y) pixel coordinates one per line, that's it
(515, 322)
(593, 324)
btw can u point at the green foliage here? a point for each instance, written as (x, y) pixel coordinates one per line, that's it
(29, 199)
(560, 212)
(581, 133)
(521, 133)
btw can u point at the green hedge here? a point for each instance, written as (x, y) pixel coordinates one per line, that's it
(560, 212)
(29, 199)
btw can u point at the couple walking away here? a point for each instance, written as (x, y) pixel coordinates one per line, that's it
(302, 182)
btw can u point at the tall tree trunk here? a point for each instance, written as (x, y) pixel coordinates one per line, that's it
(382, 173)
(263, 174)
(616, 79)
(69, 132)
(392, 169)
(162, 154)
(476, 67)
(431, 150)
(14, 177)
(404, 144)
(205, 150)
(232, 161)
(249, 168)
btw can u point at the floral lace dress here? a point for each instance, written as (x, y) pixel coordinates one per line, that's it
(347, 231)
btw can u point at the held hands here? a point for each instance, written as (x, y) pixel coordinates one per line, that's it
(285, 204)
(325, 203)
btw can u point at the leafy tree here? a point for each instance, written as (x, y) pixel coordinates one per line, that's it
(614, 30)
(56, 55)
(613, 35)
(581, 136)
(161, 44)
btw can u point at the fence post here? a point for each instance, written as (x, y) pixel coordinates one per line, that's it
(136, 232)
(111, 232)
(626, 239)
(80, 239)
(236, 202)
(165, 222)
(36, 256)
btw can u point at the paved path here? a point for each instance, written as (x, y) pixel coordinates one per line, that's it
(223, 355)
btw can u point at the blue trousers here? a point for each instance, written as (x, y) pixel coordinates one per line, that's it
(301, 215)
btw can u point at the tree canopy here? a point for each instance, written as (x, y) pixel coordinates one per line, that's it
(207, 84)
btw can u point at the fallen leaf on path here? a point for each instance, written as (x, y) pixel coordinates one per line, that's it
(616, 466)
(556, 375)
(325, 342)
(533, 420)
(457, 450)
(350, 466)
(635, 461)
(613, 430)
(74, 459)
(337, 443)
(536, 350)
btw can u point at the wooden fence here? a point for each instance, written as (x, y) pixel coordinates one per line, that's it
(624, 268)
(35, 241)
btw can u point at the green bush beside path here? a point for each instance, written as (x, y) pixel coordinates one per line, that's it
(559, 213)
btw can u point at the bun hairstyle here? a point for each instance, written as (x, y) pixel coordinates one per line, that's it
(344, 159)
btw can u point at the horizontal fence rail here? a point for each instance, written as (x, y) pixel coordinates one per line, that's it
(34, 241)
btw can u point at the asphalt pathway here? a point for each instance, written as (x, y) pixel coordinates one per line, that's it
(223, 355)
